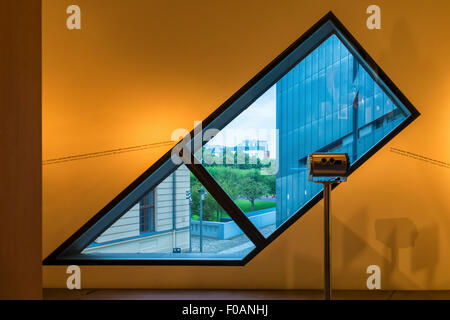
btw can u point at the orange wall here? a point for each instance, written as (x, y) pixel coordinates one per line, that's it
(138, 70)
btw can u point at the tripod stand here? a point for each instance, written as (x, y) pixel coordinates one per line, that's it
(327, 185)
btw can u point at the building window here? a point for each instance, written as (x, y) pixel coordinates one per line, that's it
(147, 213)
(249, 183)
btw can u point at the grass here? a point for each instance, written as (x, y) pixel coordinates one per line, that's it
(246, 206)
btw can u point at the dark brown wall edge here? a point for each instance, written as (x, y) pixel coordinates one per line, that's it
(20, 145)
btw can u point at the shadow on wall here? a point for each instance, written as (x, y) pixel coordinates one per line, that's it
(426, 252)
(303, 268)
(395, 234)
(402, 233)
(404, 44)
(419, 247)
(354, 246)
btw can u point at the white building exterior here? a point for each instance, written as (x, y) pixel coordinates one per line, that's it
(124, 235)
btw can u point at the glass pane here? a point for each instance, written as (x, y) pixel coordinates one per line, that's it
(326, 103)
(175, 221)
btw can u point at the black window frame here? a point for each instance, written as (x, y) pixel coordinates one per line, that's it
(70, 251)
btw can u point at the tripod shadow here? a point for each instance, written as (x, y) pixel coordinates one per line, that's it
(402, 233)
(395, 234)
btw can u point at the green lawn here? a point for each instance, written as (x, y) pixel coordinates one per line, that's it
(246, 206)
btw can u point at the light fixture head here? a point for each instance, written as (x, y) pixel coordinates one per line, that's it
(328, 167)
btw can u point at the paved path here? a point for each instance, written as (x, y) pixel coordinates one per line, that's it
(239, 245)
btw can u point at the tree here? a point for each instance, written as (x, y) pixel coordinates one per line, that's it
(226, 177)
(270, 181)
(252, 187)
(237, 180)
(211, 209)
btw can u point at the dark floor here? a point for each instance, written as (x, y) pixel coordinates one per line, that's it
(128, 294)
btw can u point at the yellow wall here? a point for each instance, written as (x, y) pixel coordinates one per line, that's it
(140, 69)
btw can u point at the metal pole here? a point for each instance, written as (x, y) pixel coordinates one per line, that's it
(174, 213)
(201, 224)
(327, 240)
(190, 225)
(189, 198)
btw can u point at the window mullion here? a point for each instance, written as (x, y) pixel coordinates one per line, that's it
(226, 202)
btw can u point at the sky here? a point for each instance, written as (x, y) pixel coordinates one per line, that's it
(257, 122)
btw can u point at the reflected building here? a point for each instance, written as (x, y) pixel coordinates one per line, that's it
(327, 103)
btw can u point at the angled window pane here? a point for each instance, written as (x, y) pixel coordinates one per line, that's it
(174, 221)
(328, 102)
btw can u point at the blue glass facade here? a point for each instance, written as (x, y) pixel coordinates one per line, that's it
(326, 103)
